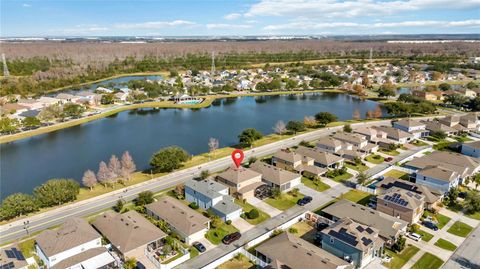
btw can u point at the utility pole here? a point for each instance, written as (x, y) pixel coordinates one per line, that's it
(371, 56)
(5, 67)
(213, 63)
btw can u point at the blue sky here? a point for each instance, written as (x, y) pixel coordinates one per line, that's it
(237, 17)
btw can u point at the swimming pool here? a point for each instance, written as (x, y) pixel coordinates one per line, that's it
(189, 102)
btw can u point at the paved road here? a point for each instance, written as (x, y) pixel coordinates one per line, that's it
(467, 255)
(16, 230)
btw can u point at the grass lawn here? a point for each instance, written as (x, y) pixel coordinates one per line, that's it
(474, 216)
(462, 138)
(419, 143)
(442, 145)
(316, 185)
(442, 220)
(284, 202)
(400, 259)
(302, 228)
(390, 152)
(445, 244)
(360, 167)
(216, 235)
(193, 252)
(460, 229)
(239, 262)
(425, 235)
(428, 261)
(343, 177)
(374, 158)
(262, 216)
(357, 196)
(27, 247)
(396, 174)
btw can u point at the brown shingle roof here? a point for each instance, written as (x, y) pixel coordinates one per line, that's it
(238, 175)
(273, 174)
(319, 156)
(180, 216)
(72, 233)
(438, 172)
(459, 163)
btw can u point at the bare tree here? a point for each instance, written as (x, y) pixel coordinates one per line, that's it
(369, 114)
(356, 114)
(212, 144)
(377, 113)
(103, 174)
(309, 121)
(89, 179)
(128, 165)
(114, 166)
(280, 127)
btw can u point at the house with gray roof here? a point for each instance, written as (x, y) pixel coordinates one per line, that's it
(415, 127)
(289, 251)
(353, 242)
(321, 158)
(276, 177)
(390, 228)
(190, 225)
(72, 238)
(12, 258)
(242, 182)
(402, 204)
(211, 194)
(292, 161)
(395, 134)
(91, 258)
(438, 177)
(471, 149)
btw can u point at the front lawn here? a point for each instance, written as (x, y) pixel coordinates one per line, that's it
(317, 185)
(460, 229)
(238, 262)
(400, 259)
(341, 178)
(462, 138)
(357, 167)
(425, 235)
(442, 243)
(215, 235)
(357, 196)
(428, 261)
(442, 220)
(374, 158)
(474, 215)
(284, 202)
(262, 216)
(390, 152)
(396, 174)
(443, 146)
(419, 143)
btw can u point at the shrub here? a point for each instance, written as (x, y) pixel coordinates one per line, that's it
(292, 230)
(228, 222)
(253, 214)
(193, 205)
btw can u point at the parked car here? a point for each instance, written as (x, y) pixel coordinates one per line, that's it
(305, 200)
(388, 159)
(321, 226)
(414, 236)
(430, 225)
(462, 194)
(199, 246)
(230, 238)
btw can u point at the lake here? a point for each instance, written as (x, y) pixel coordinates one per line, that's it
(67, 153)
(110, 83)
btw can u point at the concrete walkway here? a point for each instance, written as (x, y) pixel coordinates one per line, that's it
(242, 225)
(270, 210)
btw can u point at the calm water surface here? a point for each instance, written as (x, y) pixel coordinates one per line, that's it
(68, 153)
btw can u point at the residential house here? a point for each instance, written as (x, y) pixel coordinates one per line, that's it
(129, 233)
(241, 181)
(353, 242)
(390, 228)
(416, 128)
(470, 122)
(471, 149)
(66, 98)
(12, 109)
(289, 251)
(402, 204)
(372, 134)
(74, 237)
(190, 225)
(91, 258)
(429, 96)
(435, 126)
(438, 177)
(276, 177)
(321, 158)
(12, 258)
(210, 194)
(396, 135)
(432, 196)
(329, 144)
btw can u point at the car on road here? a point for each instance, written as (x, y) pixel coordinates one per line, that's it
(388, 159)
(305, 200)
(199, 246)
(430, 225)
(414, 236)
(230, 238)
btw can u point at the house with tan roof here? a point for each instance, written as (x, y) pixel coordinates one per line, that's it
(129, 233)
(471, 149)
(402, 204)
(390, 228)
(372, 134)
(276, 177)
(415, 127)
(190, 225)
(74, 237)
(321, 158)
(353, 242)
(292, 161)
(242, 182)
(396, 135)
(289, 251)
(438, 177)
(436, 126)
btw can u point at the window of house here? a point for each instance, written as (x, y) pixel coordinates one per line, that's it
(332, 240)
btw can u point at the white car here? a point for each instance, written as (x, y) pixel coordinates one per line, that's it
(414, 236)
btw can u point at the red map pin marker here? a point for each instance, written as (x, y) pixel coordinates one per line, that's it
(237, 157)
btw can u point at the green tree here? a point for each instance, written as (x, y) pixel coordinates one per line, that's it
(438, 134)
(204, 174)
(452, 196)
(248, 136)
(295, 126)
(107, 99)
(17, 204)
(73, 110)
(444, 86)
(30, 122)
(119, 205)
(324, 118)
(347, 128)
(8, 125)
(56, 192)
(399, 245)
(362, 178)
(169, 159)
(456, 99)
(253, 214)
(144, 198)
(472, 202)
(387, 90)
(471, 85)
(130, 263)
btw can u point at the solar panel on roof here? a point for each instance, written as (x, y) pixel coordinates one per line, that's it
(18, 254)
(9, 265)
(10, 254)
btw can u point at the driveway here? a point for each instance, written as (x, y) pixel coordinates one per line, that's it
(208, 245)
(242, 225)
(308, 191)
(270, 210)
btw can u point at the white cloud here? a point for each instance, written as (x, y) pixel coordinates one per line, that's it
(80, 30)
(26, 5)
(350, 8)
(155, 24)
(232, 16)
(228, 26)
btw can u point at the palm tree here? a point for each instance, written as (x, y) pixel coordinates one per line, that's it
(362, 178)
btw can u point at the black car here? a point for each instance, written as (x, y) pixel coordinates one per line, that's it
(430, 225)
(230, 238)
(199, 246)
(305, 200)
